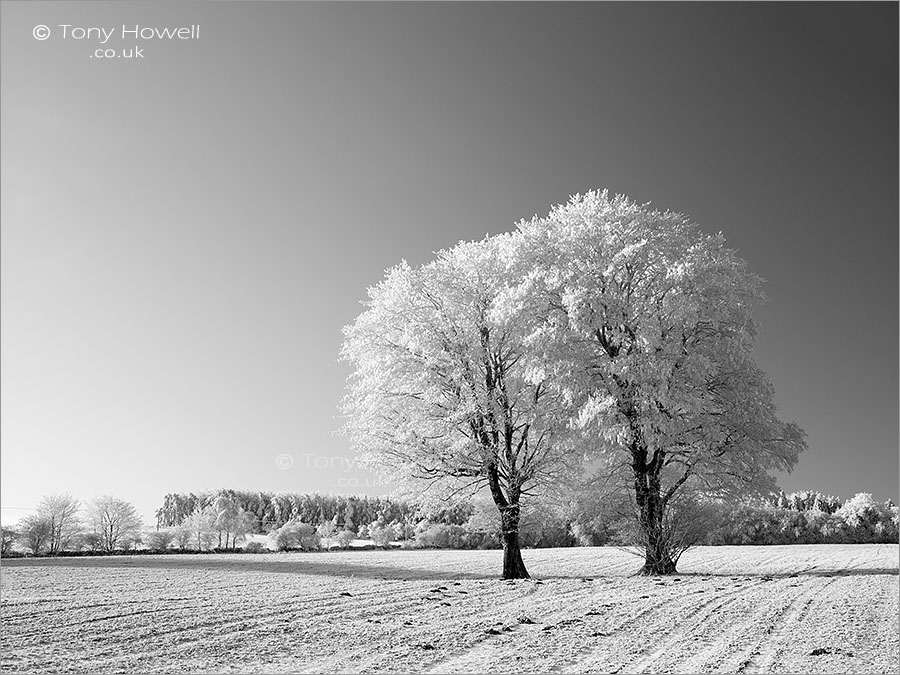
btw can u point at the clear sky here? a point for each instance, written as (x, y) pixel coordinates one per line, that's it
(184, 233)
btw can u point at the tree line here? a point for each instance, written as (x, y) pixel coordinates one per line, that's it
(275, 509)
(63, 524)
(59, 527)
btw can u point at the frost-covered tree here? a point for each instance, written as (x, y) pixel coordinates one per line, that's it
(61, 510)
(243, 524)
(402, 531)
(826, 503)
(382, 534)
(160, 540)
(295, 534)
(227, 512)
(232, 519)
(34, 533)
(441, 536)
(132, 542)
(345, 538)
(781, 501)
(349, 524)
(326, 531)
(201, 524)
(182, 536)
(8, 537)
(115, 521)
(443, 389)
(648, 322)
(867, 520)
(90, 541)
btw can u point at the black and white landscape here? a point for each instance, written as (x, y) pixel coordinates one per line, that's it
(449, 337)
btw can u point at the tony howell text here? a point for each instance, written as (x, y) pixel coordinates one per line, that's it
(103, 34)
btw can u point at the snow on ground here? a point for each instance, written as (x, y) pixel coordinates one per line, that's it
(266, 542)
(811, 609)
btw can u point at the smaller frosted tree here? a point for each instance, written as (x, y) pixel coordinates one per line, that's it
(826, 503)
(867, 520)
(402, 531)
(90, 541)
(201, 524)
(114, 521)
(231, 518)
(34, 533)
(160, 540)
(345, 538)
(182, 537)
(327, 531)
(382, 534)
(227, 513)
(8, 537)
(242, 525)
(295, 534)
(61, 511)
(445, 395)
(132, 542)
(349, 524)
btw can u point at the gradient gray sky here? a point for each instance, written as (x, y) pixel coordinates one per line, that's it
(185, 234)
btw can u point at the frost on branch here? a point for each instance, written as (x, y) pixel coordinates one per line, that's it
(445, 396)
(606, 329)
(648, 324)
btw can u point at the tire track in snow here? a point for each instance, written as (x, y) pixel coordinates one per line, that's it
(574, 633)
(674, 624)
(762, 657)
(455, 629)
(485, 646)
(474, 623)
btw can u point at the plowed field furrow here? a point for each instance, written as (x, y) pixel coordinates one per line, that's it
(811, 609)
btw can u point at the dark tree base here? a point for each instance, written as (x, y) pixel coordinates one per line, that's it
(513, 565)
(658, 567)
(515, 572)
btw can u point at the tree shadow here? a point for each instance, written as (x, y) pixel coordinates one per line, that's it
(308, 564)
(301, 566)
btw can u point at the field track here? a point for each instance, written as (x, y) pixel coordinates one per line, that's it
(800, 609)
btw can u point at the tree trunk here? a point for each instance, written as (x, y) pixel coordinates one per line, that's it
(657, 556)
(657, 560)
(651, 508)
(513, 565)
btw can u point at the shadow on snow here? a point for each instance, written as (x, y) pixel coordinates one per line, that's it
(307, 564)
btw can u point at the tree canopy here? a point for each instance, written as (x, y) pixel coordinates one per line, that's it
(648, 322)
(443, 389)
(606, 329)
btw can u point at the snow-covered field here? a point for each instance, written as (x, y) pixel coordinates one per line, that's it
(800, 609)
